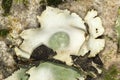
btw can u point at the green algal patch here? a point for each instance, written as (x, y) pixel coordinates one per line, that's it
(118, 27)
(111, 73)
(6, 5)
(4, 32)
(52, 71)
(52, 2)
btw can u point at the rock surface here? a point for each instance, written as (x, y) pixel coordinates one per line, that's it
(22, 17)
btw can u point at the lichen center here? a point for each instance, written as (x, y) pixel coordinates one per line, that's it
(59, 40)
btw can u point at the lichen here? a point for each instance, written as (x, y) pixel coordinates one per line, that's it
(73, 26)
(68, 42)
(47, 71)
(64, 32)
(52, 71)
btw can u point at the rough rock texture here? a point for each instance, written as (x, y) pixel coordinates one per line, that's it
(22, 17)
(7, 64)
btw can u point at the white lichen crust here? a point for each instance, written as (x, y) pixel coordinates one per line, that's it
(50, 71)
(94, 44)
(64, 32)
(47, 71)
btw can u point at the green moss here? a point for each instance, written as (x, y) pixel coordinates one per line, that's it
(118, 29)
(111, 74)
(4, 32)
(119, 11)
(6, 5)
(118, 26)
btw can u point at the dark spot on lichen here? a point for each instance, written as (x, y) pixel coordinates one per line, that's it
(87, 27)
(97, 60)
(100, 37)
(96, 30)
(85, 63)
(25, 63)
(57, 61)
(42, 53)
(89, 78)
